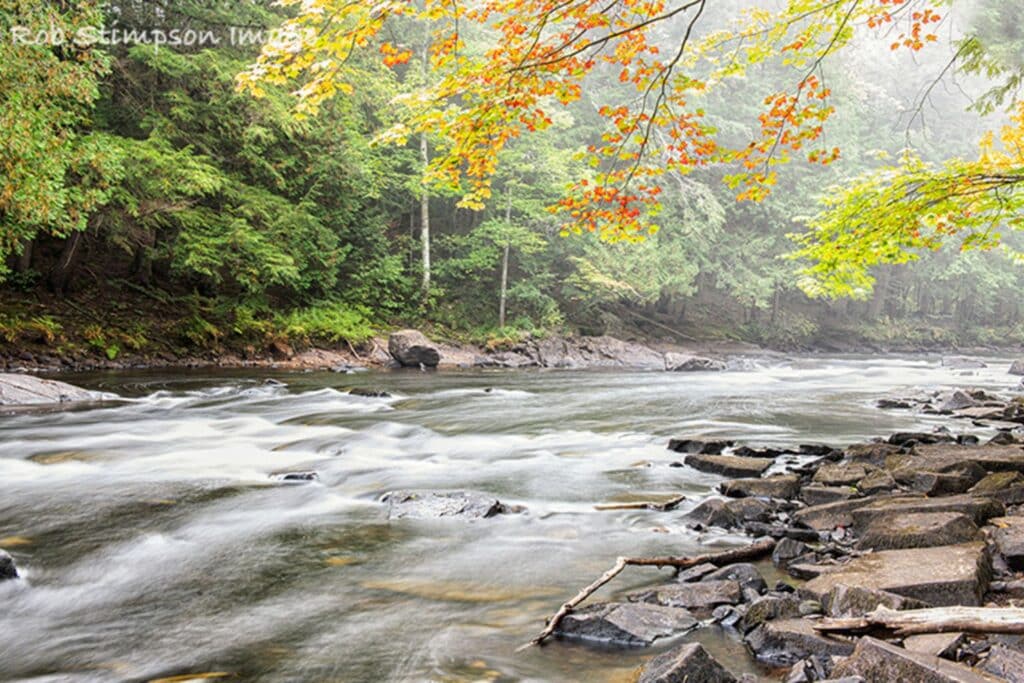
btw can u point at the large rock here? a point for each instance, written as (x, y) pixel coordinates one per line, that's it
(701, 595)
(586, 352)
(26, 390)
(682, 362)
(630, 624)
(729, 513)
(942, 645)
(918, 530)
(688, 663)
(962, 363)
(941, 576)
(7, 568)
(831, 515)
(876, 660)
(856, 601)
(433, 504)
(780, 486)
(784, 642)
(977, 508)
(743, 573)
(769, 608)
(412, 349)
(1004, 662)
(728, 465)
(945, 457)
(842, 474)
(1017, 368)
(823, 495)
(1008, 536)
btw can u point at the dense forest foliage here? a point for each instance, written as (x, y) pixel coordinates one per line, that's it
(147, 202)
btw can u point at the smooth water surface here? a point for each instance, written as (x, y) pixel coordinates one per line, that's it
(154, 543)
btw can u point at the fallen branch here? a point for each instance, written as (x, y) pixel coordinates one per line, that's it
(932, 620)
(643, 505)
(750, 552)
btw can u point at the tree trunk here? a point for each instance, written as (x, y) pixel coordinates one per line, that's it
(504, 267)
(60, 276)
(425, 220)
(24, 262)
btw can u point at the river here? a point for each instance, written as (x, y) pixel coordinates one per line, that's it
(154, 543)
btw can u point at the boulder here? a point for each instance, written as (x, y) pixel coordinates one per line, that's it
(977, 508)
(941, 576)
(822, 495)
(7, 568)
(784, 486)
(788, 550)
(856, 601)
(729, 513)
(743, 573)
(842, 474)
(1006, 487)
(962, 363)
(769, 608)
(630, 624)
(831, 515)
(783, 642)
(728, 465)
(877, 660)
(876, 482)
(915, 438)
(943, 483)
(947, 456)
(1004, 662)
(683, 362)
(701, 595)
(918, 530)
(1017, 368)
(435, 504)
(958, 400)
(696, 572)
(1008, 537)
(698, 446)
(412, 349)
(26, 390)
(687, 663)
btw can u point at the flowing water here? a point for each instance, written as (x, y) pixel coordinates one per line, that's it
(153, 541)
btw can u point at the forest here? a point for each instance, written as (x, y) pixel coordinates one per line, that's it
(156, 196)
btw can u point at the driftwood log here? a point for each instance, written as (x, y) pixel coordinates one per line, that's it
(720, 559)
(643, 505)
(932, 620)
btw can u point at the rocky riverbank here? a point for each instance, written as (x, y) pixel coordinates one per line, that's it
(905, 558)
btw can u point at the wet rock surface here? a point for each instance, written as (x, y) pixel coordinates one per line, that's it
(918, 530)
(27, 390)
(412, 349)
(629, 624)
(8, 570)
(877, 660)
(436, 504)
(728, 465)
(688, 663)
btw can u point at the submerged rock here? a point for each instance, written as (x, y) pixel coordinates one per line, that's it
(296, 477)
(412, 349)
(629, 624)
(687, 663)
(26, 390)
(433, 504)
(876, 660)
(698, 446)
(681, 362)
(366, 392)
(728, 465)
(7, 568)
(962, 363)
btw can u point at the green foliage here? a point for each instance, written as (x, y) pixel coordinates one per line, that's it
(329, 322)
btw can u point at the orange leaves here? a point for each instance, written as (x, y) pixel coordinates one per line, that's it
(916, 34)
(394, 56)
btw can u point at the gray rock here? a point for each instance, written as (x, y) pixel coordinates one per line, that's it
(769, 608)
(1017, 368)
(784, 486)
(1004, 662)
(828, 516)
(411, 349)
(977, 508)
(687, 663)
(695, 573)
(743, 573)
(942, 645)
(842, 474)
(918, 530)
(958, 400)
(856, 601)
(876, 660)
(7, 568)
(26, 390)
(872, 453)
(788, 550)
(944, 483)
(783, 642)
(729, 513)
(681, 362)
(630, 624)
(698, 446)
(1008, 536)
(822, 495)
(877, 482)
(1006, 487)
(729, 465)
(941, 576)
(962, 363)
(700, 595)
(946, 457)
(434, 504)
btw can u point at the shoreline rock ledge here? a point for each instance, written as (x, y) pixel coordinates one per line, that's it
(28, 390)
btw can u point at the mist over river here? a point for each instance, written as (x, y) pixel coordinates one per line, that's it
(154, 542)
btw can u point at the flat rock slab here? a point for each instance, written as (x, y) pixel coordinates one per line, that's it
(942, 645)
(780, 486)
(856, 601)
(435, 504)
(818, 494)
(842, 474)
(876, 660)
(688, 663)
(700, 595)
(946, 456)
(1008, 535)
(1006, 663)
(728, 465)
(941, 576)
(627, 624)
(918, 530)
(784, 642)
(26, 390)
(977, 508)
(729, 513)
(828, 516)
